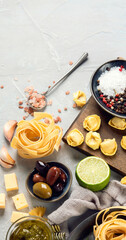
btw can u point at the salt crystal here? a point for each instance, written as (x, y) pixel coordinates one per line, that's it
(112, 82)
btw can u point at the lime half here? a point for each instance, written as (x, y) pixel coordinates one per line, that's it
(93, 173)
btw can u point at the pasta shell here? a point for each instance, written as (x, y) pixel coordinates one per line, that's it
(123, 142)
(108, 147)
(75, 138)
(118, 123)
(93, 140)
(79, 98)
(92, 122)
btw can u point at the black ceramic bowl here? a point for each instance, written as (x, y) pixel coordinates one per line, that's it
(30, 183)
(94, 84)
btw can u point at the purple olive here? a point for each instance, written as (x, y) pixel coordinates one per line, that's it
(57, 188)
(52, 175)
(38, 178)
(42, 168)
(63, 177)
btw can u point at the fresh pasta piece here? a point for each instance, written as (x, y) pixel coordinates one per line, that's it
(92, 122)
(110, 224)
(38, 211)
(93, 140)
(75, 138)
(123, 180)
(108, 147)
(123, 142)
(118, 123)
(36, 139)
(79, 98)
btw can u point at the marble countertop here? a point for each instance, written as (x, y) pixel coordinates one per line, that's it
(38, 39)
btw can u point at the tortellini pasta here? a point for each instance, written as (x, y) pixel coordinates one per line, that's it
(123, 180)
(123, 142)
(92, 122)
(118, 123)
(108, 147)
(75, 138)
(93, 140)
(80, 98)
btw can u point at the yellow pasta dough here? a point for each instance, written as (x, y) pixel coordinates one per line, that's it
(38, 211)
(75, 138)
(93, 140)
(118, 123)
(92, 122)
(123, 142)
(36, 139)
(80, 98)
(110, 224)
(108, 147)
(123, 180)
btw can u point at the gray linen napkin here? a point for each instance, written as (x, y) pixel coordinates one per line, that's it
(81, 199)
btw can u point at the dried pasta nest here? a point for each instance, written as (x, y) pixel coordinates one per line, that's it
(75, 138)
(79, 98)
(110, 224)
(92, 122)
(123, 142)
(118, 123)
(108, 147)
(93, 140)
(38, 211)
(36, 139)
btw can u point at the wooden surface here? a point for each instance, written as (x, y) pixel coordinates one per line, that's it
(118, 161)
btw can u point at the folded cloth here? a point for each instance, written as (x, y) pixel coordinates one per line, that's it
(81, 199)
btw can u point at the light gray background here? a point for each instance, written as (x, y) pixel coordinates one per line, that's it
(38, 38)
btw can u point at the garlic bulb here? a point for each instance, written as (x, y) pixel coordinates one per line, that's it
(9, 128)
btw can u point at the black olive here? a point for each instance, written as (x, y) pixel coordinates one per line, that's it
(42, 168)
(57, 188)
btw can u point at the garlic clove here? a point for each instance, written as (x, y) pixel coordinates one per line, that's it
(9, 128)
(5, 156)
(5, 165)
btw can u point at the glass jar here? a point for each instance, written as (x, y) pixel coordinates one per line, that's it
(30, 226)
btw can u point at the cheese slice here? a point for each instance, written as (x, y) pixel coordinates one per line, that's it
(10, 182)
(2, 200)
(16, 215)
(20, 201)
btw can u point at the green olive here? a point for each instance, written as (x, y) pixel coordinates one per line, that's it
(42, 190)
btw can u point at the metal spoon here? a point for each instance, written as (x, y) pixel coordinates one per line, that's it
(75, 66)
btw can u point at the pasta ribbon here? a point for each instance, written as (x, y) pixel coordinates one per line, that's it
(35, 138)
(113, 224)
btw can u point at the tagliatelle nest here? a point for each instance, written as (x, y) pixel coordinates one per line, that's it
(38, 211)
(35, 138)
(113, 224)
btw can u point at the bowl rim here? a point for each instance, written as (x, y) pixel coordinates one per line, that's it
(92, 91)
(59, 197)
